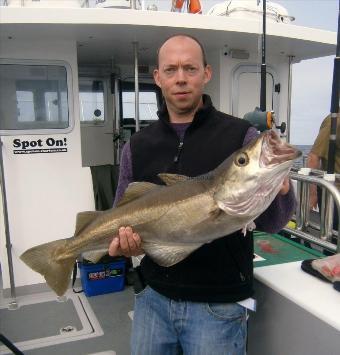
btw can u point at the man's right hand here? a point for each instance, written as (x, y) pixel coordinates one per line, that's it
(126, 243)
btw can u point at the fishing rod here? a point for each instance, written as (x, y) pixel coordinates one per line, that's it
(334, 104)
(263, 92)
(260, 118)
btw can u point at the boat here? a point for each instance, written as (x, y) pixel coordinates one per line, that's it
(75, 84)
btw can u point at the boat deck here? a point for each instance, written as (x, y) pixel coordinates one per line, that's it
(76, 325)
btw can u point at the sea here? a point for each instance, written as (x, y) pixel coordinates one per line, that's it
(305, 149)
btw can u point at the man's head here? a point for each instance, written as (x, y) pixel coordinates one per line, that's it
(181, 74)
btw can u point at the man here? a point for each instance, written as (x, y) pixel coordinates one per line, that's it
(318, 159)
(191, 307)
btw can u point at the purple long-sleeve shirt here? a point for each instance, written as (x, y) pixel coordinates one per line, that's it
(271, 221)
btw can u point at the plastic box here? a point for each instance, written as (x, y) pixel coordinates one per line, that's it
(101, 278)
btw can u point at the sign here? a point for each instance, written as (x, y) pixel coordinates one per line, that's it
(41, 145)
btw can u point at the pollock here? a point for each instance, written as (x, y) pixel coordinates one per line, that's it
(175, 219)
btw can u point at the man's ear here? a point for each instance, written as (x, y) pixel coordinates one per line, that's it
(207, 73)
(156, 77)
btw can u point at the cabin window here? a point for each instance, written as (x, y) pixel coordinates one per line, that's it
(147, 105)
(33, 97)
(92, 94)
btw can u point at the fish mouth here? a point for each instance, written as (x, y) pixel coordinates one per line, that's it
(276, 158)
(275, 152)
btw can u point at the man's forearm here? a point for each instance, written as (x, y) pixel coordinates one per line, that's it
(313, 161)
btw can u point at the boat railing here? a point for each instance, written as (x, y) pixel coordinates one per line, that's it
(71, 3)
(54, 3)
(320, 233)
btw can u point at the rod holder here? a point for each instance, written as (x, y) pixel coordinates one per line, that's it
(302, 214)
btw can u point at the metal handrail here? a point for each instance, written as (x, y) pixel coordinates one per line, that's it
(13, 302)
(83, 4)
(330, 194)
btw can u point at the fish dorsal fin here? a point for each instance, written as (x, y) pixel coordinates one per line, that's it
(171, 179)
(84, 219)
(168, 255)
(135, 190)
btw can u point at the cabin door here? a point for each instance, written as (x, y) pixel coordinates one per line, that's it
(246, 90)
(96, 120)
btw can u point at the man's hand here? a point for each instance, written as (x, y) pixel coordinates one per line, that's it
(285, 186)
(126, 243)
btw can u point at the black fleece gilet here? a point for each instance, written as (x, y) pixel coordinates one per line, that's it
(221, 271)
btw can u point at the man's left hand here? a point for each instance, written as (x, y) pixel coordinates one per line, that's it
(285, 186)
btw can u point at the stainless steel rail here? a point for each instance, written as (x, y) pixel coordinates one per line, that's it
(330, 195)
(13, 302)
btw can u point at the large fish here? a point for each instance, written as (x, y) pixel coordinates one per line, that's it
(176, 219)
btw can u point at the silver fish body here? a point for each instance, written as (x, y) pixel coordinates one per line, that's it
(176, 219)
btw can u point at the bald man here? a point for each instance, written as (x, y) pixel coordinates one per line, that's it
(191, 307)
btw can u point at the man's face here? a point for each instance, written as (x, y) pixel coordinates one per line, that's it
(181, 74)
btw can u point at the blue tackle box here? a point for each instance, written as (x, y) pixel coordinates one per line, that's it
(103, 277)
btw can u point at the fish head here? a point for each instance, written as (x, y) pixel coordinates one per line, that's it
(248, 181)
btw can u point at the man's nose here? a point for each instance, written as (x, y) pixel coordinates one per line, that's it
(181, 76)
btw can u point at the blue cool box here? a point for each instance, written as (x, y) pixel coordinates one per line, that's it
(102, 278)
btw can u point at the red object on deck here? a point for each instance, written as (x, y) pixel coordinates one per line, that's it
(266, 247)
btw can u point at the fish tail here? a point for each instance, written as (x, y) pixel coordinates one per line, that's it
(52, 261)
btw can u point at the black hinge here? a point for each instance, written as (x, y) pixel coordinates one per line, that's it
(278, 88)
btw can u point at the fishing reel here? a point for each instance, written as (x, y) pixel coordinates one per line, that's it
(263, 120)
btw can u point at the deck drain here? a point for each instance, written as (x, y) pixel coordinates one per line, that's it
(68, 329)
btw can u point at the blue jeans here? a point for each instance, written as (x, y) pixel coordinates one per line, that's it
(162, 326)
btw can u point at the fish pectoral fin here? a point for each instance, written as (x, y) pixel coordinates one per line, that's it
(84, 219)
(214, 214)
(171, 179)
(168, 255)
(94, 256)
(136, 190)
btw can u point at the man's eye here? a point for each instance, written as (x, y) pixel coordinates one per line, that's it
(169, 70)
(192, 69)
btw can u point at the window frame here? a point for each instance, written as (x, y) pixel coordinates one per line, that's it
(70, 97)
(105, 96)
(129, 86)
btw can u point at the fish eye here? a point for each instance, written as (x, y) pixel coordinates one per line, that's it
(242, 159)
